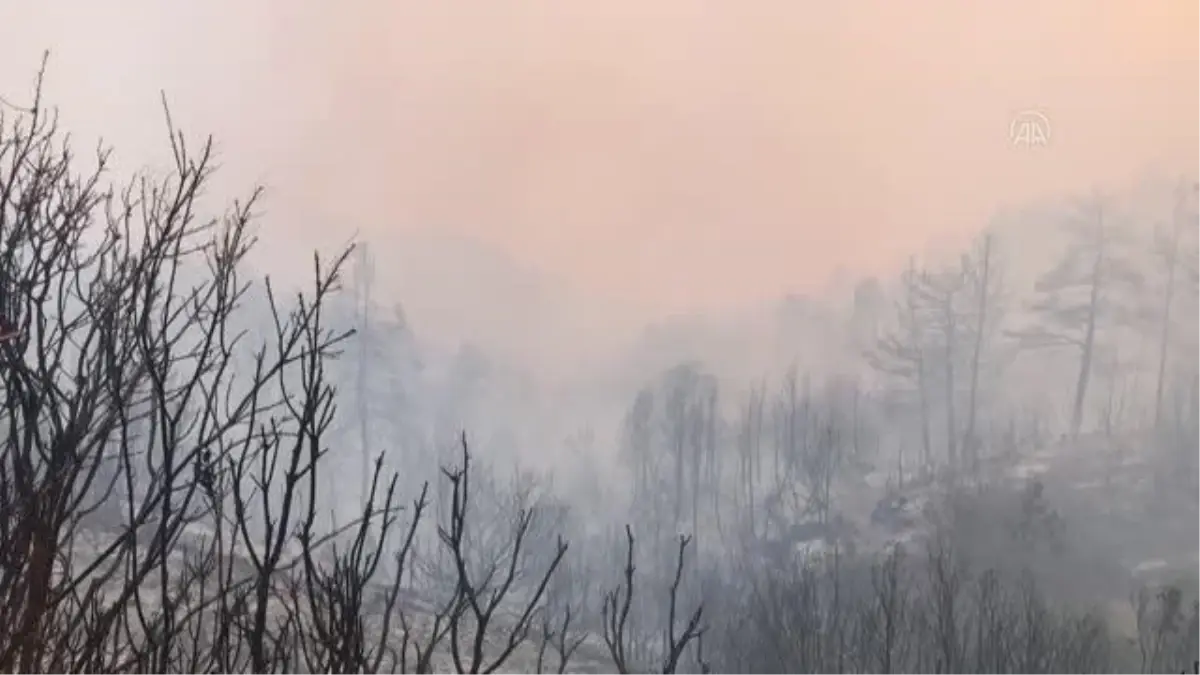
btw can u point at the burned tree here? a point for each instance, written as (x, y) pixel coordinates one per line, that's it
(616, 612)
(941, 292)
(903, 354)
(985, 282)
(1169, 249)
(1077, 297)
(133, 380)
(127, 357)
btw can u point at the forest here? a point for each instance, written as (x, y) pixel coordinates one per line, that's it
(985, 464)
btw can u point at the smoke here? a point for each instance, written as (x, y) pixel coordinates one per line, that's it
(636, 159)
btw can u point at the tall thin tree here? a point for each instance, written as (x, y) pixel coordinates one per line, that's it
(1168, 248)
(986, 285)
(364, 273)
(1076, 296)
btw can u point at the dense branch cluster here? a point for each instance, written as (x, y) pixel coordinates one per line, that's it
(160, 477)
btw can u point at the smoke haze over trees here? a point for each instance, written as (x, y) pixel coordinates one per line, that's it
(981, 458)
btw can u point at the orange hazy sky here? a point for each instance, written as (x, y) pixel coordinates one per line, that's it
(664, 154)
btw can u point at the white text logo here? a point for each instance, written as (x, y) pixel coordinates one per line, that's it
(1029, 128)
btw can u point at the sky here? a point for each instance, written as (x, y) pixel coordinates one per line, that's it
(664, 156)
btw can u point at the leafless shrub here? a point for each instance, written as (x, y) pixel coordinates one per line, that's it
(158, 486)
(616, 608)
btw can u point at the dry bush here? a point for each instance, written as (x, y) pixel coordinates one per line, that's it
(159, 482)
